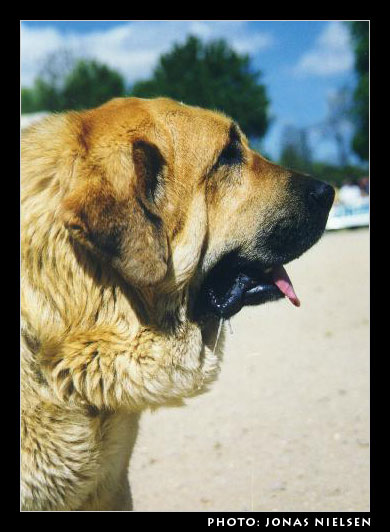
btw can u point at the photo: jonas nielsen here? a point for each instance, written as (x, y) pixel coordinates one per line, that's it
(144, 223)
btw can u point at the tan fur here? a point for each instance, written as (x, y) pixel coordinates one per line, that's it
(108, 333)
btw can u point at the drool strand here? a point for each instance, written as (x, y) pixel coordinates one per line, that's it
(221, 322)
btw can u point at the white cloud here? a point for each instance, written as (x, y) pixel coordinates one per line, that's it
(331, 54)
(132, 48)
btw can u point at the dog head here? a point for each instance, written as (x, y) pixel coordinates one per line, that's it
(173, 197)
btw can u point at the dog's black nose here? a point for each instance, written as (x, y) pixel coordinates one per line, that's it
(322, 194)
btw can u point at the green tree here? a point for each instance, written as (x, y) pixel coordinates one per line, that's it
(47, 96)
(46, 93)
(291, 158)
(296, 152)
(335, 174)
(212, 76)
(91, 83)
(66, 83)
(360, 38)
(28, 103)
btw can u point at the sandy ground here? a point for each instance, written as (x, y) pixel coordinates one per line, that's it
(286, 426)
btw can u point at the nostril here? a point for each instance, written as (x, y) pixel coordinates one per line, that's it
(323, 194)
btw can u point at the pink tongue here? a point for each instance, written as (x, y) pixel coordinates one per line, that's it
(282, 281)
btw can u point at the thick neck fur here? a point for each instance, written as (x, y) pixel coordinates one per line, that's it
(96, 343)
(87, 295)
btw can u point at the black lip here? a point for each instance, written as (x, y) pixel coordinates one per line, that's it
(262, 293)
(229, 288)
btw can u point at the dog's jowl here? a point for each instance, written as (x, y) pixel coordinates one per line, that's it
(144, 222)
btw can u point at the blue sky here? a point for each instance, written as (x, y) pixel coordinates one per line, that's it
(303, 62)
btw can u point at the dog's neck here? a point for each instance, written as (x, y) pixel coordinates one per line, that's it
(99, 296)
(94, 333)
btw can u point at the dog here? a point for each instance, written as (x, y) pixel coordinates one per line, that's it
(144, 223)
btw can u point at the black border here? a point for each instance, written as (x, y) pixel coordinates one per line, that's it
(378, 75)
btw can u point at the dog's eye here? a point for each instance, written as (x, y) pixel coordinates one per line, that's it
(230, 155)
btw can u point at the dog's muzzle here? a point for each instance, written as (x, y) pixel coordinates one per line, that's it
(237, 281)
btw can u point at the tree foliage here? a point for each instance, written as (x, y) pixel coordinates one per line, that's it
(213, 76)
(62, 85)
(296, 155)
(295, 152)
(28, 101)
(335, 174)
(360, 38)
(90, 84)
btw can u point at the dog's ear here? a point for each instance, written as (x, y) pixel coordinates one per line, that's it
(123, 228)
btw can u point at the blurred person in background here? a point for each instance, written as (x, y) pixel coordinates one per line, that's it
(364, 186)
(350, 193)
